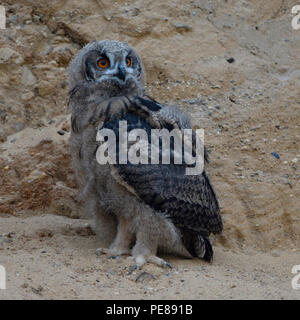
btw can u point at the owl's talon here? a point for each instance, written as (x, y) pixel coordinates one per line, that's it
(167, 264)
(100, 251)
(141, 260)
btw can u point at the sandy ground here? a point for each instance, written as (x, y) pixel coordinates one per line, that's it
(54, 258)
(233, 65)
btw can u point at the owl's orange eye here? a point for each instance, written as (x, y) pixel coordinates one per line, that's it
(103, 63)
(128, 62)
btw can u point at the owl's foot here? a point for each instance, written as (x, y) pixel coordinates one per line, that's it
(141, 260)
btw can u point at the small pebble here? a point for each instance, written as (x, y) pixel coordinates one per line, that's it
(183, 27)
(144, 276)
(230, 60)
(232, 98)
(276, 155)
(255, 128)
(61, 132)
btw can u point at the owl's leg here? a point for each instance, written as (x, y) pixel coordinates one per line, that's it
(145, 250)
(121, 244)
(123, 240)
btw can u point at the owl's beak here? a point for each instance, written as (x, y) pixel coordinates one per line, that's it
(121, 74)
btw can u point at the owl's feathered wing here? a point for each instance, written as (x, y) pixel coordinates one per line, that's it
(189, 201)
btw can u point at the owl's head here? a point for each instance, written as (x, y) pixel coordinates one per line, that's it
(112, 67)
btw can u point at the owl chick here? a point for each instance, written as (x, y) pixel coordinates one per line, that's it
(138, 208)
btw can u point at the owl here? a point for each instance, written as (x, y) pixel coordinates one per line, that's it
(139, 209)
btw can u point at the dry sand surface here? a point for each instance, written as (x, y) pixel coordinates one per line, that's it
(234, 66)
(54, 257)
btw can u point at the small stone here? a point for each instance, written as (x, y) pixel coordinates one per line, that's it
(9, 235)
(37, 290)
(61, 132)
(27, 96)
(259, 173)
(36, 18)
(255, 128)
(276, 155)
(8, 55)
(35, 175)
(182, 27)
(230, 60)
(133, 268)
(232, 98)
(27, 78)
(145, 276)
(13, 19)
(45, 88)
(192, 101)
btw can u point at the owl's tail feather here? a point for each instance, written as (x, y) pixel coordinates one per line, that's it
(197, 244)
(203, 248)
